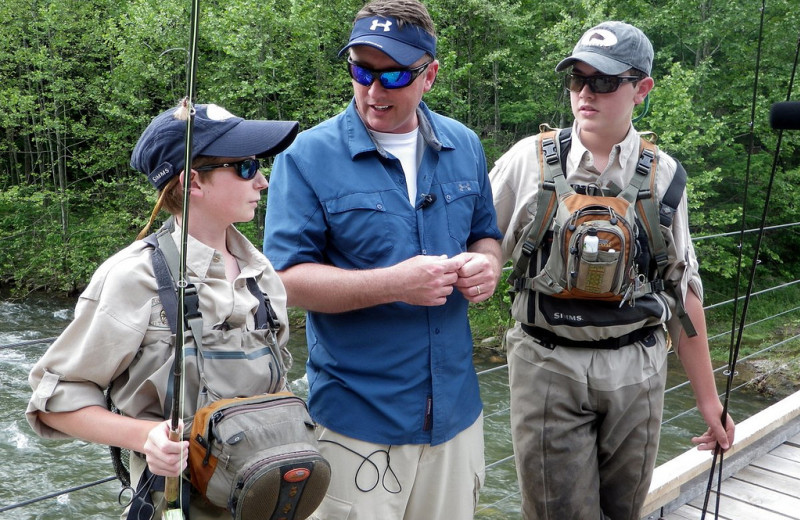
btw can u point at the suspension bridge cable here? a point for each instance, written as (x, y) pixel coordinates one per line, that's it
(718, 453)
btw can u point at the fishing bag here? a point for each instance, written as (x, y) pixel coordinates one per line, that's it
(257, 457)
(590, 266)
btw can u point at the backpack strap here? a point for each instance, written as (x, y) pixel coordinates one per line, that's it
(265, 316)
(651, 215)
(641, 191)
(165, 258)
(554, 146)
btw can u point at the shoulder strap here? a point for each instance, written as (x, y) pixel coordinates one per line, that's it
(165, 265)
(554, 146)
(165, 258)
(652, 214)
(265, 315)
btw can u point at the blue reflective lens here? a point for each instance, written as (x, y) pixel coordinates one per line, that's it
(389, 79)
(246, 169)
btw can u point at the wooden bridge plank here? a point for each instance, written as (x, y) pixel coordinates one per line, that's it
(770, 502)
(688, 512)
(733, 508)
(787, 451)
(770, 480)
(778, 465)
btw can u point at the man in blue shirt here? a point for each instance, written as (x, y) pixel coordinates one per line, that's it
(381, 224)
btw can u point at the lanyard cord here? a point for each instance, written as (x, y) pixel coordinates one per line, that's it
(734, 348)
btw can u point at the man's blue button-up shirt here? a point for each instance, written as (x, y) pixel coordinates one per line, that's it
(395, 373)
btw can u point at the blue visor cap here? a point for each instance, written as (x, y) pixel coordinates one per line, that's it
(405, 44)
(160, 151)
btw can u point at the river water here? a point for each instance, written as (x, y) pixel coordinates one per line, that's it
(32, 467)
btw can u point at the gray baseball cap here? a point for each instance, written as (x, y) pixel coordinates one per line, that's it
(612, 48)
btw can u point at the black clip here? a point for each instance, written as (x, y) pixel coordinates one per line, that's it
(645, 162)
(549, 151)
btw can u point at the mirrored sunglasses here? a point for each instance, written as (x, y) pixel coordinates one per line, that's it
(246, 169)
(599, 84)
(390, 79)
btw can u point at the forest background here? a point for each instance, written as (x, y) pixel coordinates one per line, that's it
(80, 79)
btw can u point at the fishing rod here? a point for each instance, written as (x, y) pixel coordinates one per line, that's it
(734, 351)
(172, 485)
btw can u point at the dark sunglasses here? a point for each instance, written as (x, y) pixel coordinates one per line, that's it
(599, 84)
(390, 79)
(246, 168)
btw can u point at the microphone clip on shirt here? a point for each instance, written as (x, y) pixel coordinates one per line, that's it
(427, 200)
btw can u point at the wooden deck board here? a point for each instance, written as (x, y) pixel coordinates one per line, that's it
(788, 452)
(761, 473)
(736, 509)
(770, 480)
(764, 498)
(689, 512)
(778, 465)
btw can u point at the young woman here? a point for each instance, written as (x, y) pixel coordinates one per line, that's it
(120, 339)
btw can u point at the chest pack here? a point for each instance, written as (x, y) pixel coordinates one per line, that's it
(254, 455)
(591, 263)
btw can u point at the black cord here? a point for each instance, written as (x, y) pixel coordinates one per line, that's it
(368, 459)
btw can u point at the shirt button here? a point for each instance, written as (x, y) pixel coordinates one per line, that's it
(448, 197)
(379, 206)
(436, 330)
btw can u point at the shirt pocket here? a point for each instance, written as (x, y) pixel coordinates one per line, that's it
(362, 229)
(461, 199)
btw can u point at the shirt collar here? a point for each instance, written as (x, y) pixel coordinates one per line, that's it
(617, 174)
(199, 256)
(360, 140)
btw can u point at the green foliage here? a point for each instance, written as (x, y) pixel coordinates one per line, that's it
(80, 80)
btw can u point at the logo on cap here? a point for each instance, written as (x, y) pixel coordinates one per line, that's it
(599, 38)
(387, 25)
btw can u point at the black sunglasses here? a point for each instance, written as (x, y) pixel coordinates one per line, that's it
(390, 79)
(246, 168)
(599, 84)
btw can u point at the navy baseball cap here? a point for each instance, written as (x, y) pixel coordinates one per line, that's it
(160, 152)
(405, 44)
(612, 48)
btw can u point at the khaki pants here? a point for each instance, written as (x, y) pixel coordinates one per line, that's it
(585, 425)
(412, 481)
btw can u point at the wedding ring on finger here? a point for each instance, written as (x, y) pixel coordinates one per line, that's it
(477, 290)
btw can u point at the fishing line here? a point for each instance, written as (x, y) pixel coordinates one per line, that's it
(734, 351)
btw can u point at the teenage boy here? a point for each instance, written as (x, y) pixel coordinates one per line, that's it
(586, 407)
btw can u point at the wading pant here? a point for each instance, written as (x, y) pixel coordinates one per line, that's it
(585, 425)
(199, 508)
(407, 482)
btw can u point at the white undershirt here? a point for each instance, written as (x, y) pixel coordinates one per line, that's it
(404, 147)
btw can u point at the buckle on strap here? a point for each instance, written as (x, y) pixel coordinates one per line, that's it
(645, 162)
(549, 151)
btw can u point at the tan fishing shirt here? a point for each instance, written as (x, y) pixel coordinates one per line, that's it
(120, 330)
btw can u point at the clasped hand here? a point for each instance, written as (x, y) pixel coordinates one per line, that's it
(431, 279)
(164, 456)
